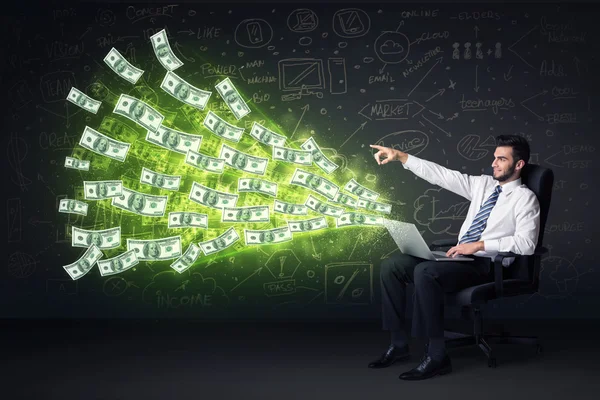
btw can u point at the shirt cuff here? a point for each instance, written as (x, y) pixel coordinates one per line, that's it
(492, 245)
(411, 161)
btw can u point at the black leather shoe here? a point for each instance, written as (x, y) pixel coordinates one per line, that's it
(428, 368)
(392, 355)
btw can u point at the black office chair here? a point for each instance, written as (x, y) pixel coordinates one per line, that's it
(519, 278)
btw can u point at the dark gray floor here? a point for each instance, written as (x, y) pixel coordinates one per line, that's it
(294, 360)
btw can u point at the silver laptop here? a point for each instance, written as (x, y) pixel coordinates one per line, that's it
(410, 241)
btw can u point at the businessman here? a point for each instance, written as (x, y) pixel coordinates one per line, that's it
(504, 215)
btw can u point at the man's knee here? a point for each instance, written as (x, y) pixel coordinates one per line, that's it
(394, 265)
(425, 270)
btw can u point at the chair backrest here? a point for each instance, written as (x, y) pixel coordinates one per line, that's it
(541, 182)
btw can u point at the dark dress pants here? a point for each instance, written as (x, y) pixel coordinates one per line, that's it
(431, 279)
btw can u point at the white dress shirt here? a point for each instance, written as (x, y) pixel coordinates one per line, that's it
(514, 222)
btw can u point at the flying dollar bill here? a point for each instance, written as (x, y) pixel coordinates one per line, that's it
(156, 249)
(183, 91)
(70, 206)
(85, 263)
(323, 208)
(103, 145)
(315, 183)
(185, 219)
(232, 97)
(266, 136)
(290, 208)
(118, 264)
(100, 190)
(122, 67)
(246, 214)
(188, 258)
(138, 112)
(74, 163)
(345, 199)
(361, 191)
(141, 203)
(163, 51)
(104, 239)
(226, 239)
(268, 236)
(174, 140)
(204, 162)
(300, 157)
(258, 186)
(223, 129)
(308, 225)
(84, 101)
(318, 157)
(375, 206)
(358, 219)
(242, 161)
(161, 181)
(211, 198)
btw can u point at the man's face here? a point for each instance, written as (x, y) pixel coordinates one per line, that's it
(504, 165)
(138, 201)
(160, 180)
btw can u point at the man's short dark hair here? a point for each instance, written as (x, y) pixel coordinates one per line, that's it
(520, 147)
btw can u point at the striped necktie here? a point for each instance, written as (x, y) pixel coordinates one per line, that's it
(480, 221)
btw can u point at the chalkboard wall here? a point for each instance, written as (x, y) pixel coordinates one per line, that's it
(439, 81)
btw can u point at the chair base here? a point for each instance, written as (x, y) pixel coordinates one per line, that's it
(484, 341)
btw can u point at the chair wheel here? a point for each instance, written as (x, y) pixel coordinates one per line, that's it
(492, 362)
(540, 349)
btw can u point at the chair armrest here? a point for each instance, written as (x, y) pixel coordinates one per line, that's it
(442, 243)
(497, 265)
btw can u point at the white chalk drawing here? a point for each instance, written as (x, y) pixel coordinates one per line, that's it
(302, 20)
(392, 47)
(349, 283)
(302, 77)
(253, 33)
(351, 23)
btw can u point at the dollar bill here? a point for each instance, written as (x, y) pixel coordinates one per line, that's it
(138, 112)
(226, 239)
(316, 183)
(85, 263)
(204, 162)
(103, 145)
(84, 101)
(122, 67)
(318, 157)
(266, 136)
(104, 239)
(345, 199)
(375, 206)
(161, 181)
(361, 191)
(232, 98)
(246, 214)
(211, 198)
(358, 219)
(156, 249)
(163, 51)
(183, 91)
(290, 208)
(242, 161)
(70, 206)
(308, 225)
(223, 129)
(257, 185)
(141, 203)
(118, 264)
(323, 208)
(74, 163)
(185, 219)
(300, 157)
(188, 258)
(174, 140)
(100, 190)
(268, 236)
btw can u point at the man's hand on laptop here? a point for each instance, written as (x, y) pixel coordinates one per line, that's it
(465, 249)
(387, 154)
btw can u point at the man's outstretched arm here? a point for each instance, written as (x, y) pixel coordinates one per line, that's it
(451, 180)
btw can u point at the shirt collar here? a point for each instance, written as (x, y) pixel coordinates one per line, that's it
(508, 187)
